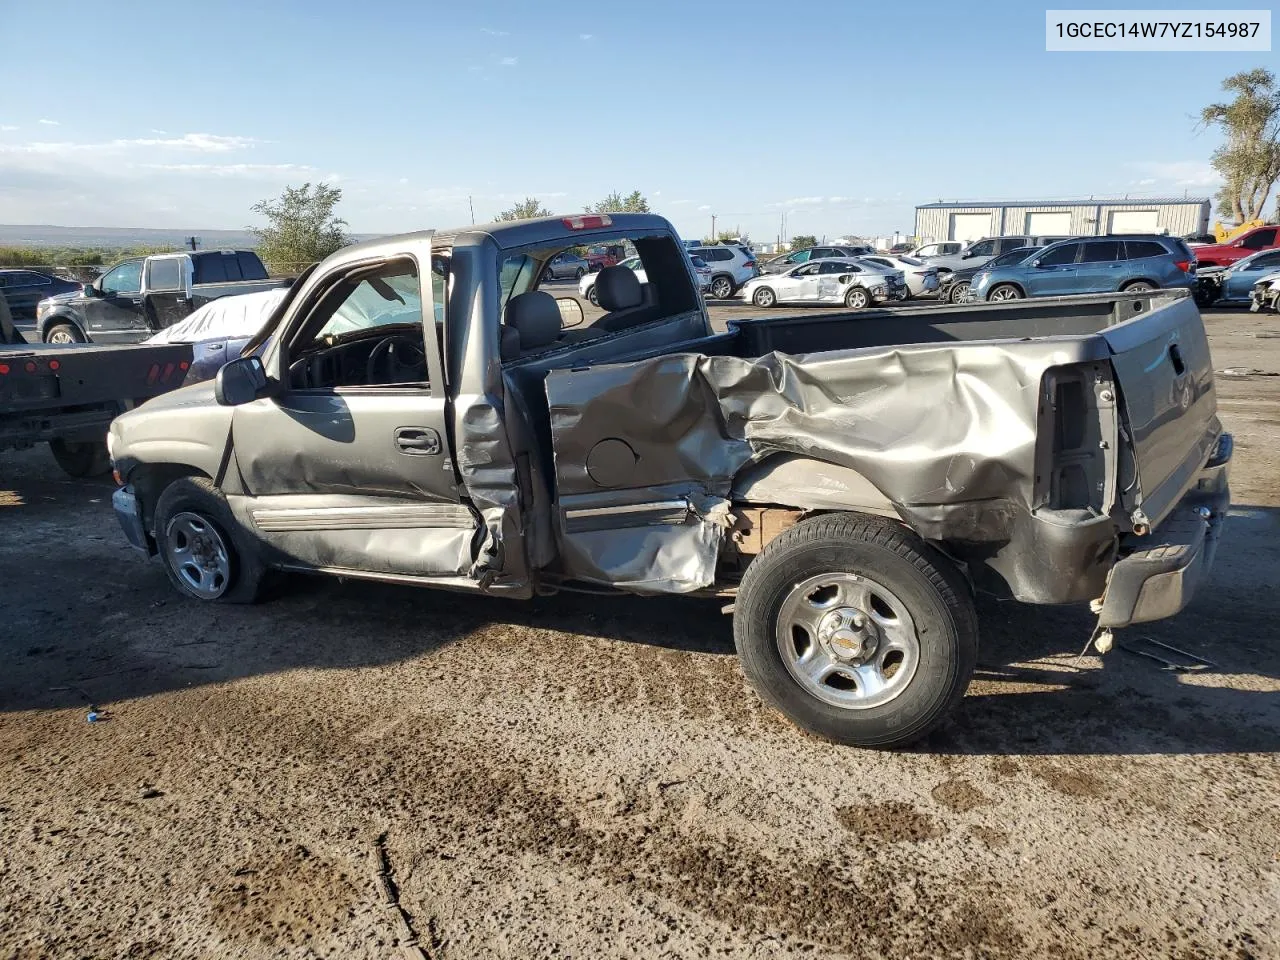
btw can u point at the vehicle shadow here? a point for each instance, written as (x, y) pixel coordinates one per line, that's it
(91, 622)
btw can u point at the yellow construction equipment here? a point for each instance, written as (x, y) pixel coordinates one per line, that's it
(1226, 234)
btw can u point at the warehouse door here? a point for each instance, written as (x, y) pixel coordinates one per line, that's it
(1049, 224)
(970, 226)
(1134, 221)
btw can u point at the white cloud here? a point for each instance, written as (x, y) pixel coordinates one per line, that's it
(159, 133)
(495, 33)
(5, 128)
(705, 206)
(233, 169)
(586, 36)
(403, 180)
(50, 123)
(199, 142)
(1178, 173)
(509, 61)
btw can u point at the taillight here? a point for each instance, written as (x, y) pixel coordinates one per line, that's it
(751, 264)
(1183, 265)
(4, 368)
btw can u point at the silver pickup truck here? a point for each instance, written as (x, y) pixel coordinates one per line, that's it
(846, 482)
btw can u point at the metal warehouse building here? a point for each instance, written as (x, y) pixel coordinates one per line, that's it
(970, 220)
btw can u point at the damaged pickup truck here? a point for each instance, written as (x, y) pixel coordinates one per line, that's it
(847, 482)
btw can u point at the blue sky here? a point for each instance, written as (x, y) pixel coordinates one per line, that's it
(844, 114)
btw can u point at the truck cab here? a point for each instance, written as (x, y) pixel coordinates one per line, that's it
(1247, 244)
(139, 296)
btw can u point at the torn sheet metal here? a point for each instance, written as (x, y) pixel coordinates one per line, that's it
(933, 424)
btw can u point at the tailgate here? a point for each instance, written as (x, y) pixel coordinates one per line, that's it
(44, 375)
(1162, 362)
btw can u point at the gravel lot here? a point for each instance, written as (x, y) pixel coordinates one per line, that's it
(591, 777)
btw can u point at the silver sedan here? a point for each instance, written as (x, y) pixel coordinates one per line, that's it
(855, 283)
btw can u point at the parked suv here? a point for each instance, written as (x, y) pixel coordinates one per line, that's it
(1095, 265)
(980, 251)
(731, 267)
(795, 258)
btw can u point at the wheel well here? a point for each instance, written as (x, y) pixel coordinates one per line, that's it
(1130, 282)
(58, 320)
(150, 480)
(1008, 283)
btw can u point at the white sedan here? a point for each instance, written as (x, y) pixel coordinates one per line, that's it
(855, 283)
(920, 277)
(587, 284)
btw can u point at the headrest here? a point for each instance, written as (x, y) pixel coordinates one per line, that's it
(535, 316)
(618, 288)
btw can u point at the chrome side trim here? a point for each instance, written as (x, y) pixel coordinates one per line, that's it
(392, 517)
(669, 512)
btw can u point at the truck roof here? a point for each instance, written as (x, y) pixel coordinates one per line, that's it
(520, 233)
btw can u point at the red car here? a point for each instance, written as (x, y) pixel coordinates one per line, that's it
(600, 257)
(1225, 254)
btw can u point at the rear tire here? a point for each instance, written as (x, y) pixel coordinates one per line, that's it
(81, 459)
(205, 553)
(857, 299)
(64, 333)
(865, 586)
(721, 288)
(1137, 286)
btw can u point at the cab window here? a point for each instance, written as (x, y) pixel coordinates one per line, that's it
(126, 278)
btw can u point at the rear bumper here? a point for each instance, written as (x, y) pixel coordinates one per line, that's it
(1158, 574)
(129, 514)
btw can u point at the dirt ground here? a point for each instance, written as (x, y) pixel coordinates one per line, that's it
(590, 777)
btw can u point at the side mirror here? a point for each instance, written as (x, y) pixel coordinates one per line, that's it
(88, 290)
(241, 381)
(571, 314)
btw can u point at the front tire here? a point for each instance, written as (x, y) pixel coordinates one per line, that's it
(579, 273)
(764, 297)
(593, 296)
(204, 551)
(857, 299)
(721, 288)
(64, 333)
(81, 459)
(1004, 293)
(959, 291)
(856, 630)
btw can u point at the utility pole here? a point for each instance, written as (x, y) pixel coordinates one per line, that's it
(473, 210)
(713, 228)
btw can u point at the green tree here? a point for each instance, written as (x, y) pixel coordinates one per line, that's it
(301, 227)
(634, 202)
(1249, 160)
(804, 241)
(729, 236)
(527, 209)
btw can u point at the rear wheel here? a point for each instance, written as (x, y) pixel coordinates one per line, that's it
(64, 333)
(722, 288)
(81, 459)
(764, 297)
(204, 552)
(1138, 286)
(857, 299)
(1004, 292)
(959, 291)
(856, 630)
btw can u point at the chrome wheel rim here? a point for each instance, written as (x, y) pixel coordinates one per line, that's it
(960, 293)
(61, 336)
(197, 554)
(764, 298)
(720, 289)
(1004, 293)
(857, 299)
(591, 295)
(1138, 288)
(847, 640)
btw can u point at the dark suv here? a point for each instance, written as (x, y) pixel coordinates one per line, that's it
(1133, 263)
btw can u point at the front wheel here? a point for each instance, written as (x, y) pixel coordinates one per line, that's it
(1004, 293)
(593, 296)
(204, 552)
(579, 273)
(81, 459)
(959, 292)
(64, 333)
(764, 297)
(857, 299)
(856, 630)
(721, 288)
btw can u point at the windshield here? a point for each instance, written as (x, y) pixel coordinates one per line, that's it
(1011, 257)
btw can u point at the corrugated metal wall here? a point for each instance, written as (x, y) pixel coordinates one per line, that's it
(1178, 219)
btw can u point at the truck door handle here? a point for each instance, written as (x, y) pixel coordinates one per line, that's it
(417, 441)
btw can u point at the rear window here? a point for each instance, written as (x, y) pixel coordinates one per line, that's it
(698, 261)
(209, 268)
(1141, 249)
(251, 267)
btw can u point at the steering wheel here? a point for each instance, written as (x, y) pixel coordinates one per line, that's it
(396, 355)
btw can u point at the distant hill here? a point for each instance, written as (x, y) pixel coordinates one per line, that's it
(44, 235)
